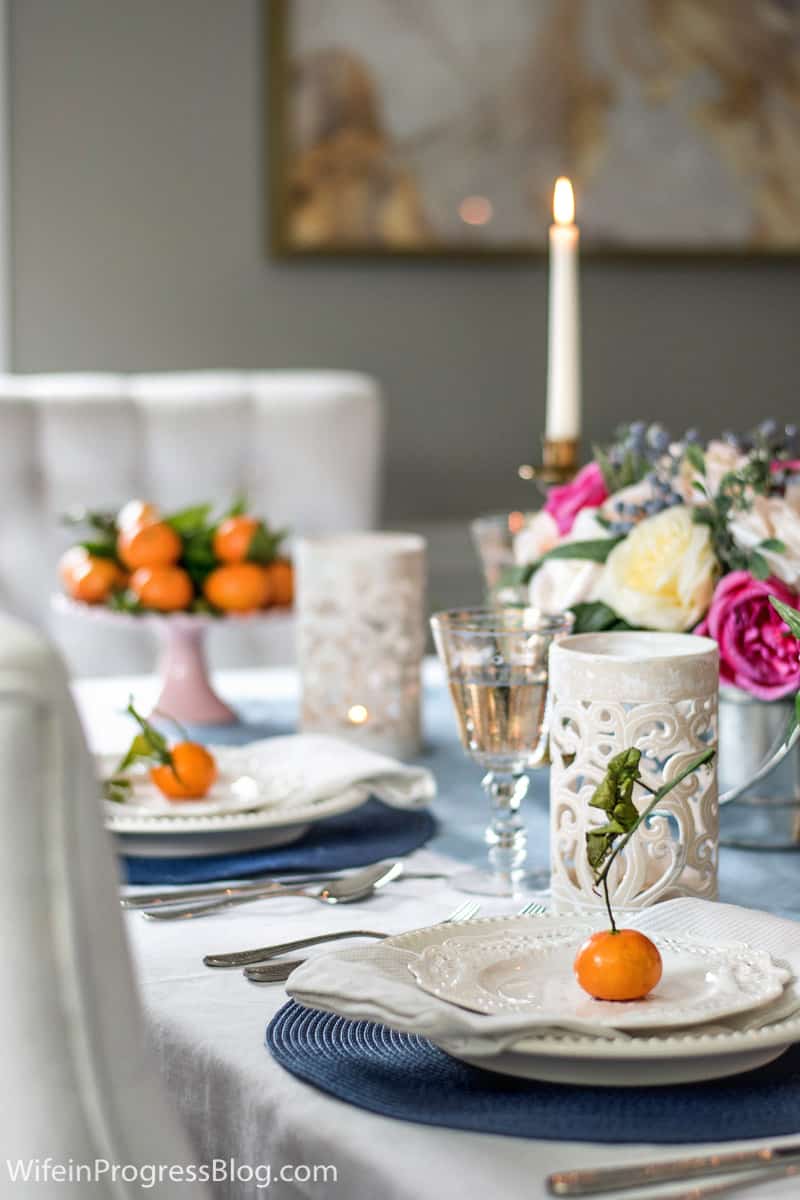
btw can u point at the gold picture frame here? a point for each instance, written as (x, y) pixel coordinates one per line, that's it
(288, 237)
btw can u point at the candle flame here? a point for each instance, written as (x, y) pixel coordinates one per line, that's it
(357, 714)
(563, 202)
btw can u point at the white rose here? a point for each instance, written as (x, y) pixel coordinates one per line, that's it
(538, 536)
(720, 458)
(772, 518)
(561, 582)
(662, 576)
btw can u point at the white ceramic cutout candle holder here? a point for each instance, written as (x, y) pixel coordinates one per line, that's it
(658, 692)
(360, 623)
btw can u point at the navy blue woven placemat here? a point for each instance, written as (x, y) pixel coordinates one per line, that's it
(352, 839)
(403, 1076)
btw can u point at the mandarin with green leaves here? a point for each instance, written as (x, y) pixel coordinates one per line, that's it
(189, 775)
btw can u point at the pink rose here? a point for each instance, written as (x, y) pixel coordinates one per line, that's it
(587, 490)
(756, 651)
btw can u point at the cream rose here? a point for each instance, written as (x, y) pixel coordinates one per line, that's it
(561, 582)
(662, 576)
(774, 518)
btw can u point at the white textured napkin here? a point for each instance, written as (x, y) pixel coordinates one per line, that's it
(374, 983)
(284, 772)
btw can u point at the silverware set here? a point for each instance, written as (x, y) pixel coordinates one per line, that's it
(259, 968)
(750, 1168)
(244, 887)
(343, 889)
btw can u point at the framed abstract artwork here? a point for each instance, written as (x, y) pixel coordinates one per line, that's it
(435, 127)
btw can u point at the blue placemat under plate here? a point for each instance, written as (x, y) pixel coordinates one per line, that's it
(403, 1076)
(352, 839)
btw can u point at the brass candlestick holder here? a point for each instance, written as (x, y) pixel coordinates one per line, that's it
(559, 462)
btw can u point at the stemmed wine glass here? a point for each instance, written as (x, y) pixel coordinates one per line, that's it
(496, 663)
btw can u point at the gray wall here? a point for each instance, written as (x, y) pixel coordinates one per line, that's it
(138, 216)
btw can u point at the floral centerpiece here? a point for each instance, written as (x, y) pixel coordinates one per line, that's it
(676, 535)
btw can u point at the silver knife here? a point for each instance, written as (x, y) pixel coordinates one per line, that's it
(590, 1182)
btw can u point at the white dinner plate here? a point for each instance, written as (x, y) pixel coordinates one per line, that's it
(623, 1072)
(531, 971)
(637, 1060)
(249, 807)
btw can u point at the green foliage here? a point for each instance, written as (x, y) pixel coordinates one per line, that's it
(790, 615)
(264, 544)
(190, 521)
(148, 746)
(125, 601)
(614, 796)
(198, 555)
(101, 522)
(594, 550)
(736, 492)
(596, 617)
(632, 469)
(238, 508)
(696, 458)
(792, 618)
(99, 549)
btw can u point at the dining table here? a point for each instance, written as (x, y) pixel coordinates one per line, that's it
(207, 1027)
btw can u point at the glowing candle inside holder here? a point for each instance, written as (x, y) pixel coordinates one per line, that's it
(360, 615)
(563, 421)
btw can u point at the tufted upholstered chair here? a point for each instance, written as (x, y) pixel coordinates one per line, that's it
(79, 1079)
(305, 446)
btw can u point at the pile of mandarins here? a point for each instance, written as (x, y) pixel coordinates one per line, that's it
(139, 560)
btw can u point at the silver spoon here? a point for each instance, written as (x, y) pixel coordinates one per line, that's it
(336, 891)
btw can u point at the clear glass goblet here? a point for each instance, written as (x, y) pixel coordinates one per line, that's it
(496, 664)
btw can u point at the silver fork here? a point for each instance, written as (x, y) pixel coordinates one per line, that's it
(279, 972)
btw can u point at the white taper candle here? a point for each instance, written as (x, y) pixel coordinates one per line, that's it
(563, 419)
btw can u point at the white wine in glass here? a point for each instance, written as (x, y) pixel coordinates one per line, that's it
(496, 662)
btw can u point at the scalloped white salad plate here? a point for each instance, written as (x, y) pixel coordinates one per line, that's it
(532, 972)
(635, 1059)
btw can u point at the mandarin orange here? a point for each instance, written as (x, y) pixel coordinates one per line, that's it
(150, 545)
(233, 537)
(189, 776)
(71, 560)
(166, 589)
(93, 581)
(238, 587)
(618, 965)
(135, 513)
(281, 582)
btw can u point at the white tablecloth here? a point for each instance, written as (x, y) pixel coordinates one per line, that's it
(208, 1028)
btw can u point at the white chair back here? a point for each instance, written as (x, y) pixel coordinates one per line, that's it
(79, 1079)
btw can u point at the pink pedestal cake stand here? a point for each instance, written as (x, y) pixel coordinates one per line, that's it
(186, 692)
